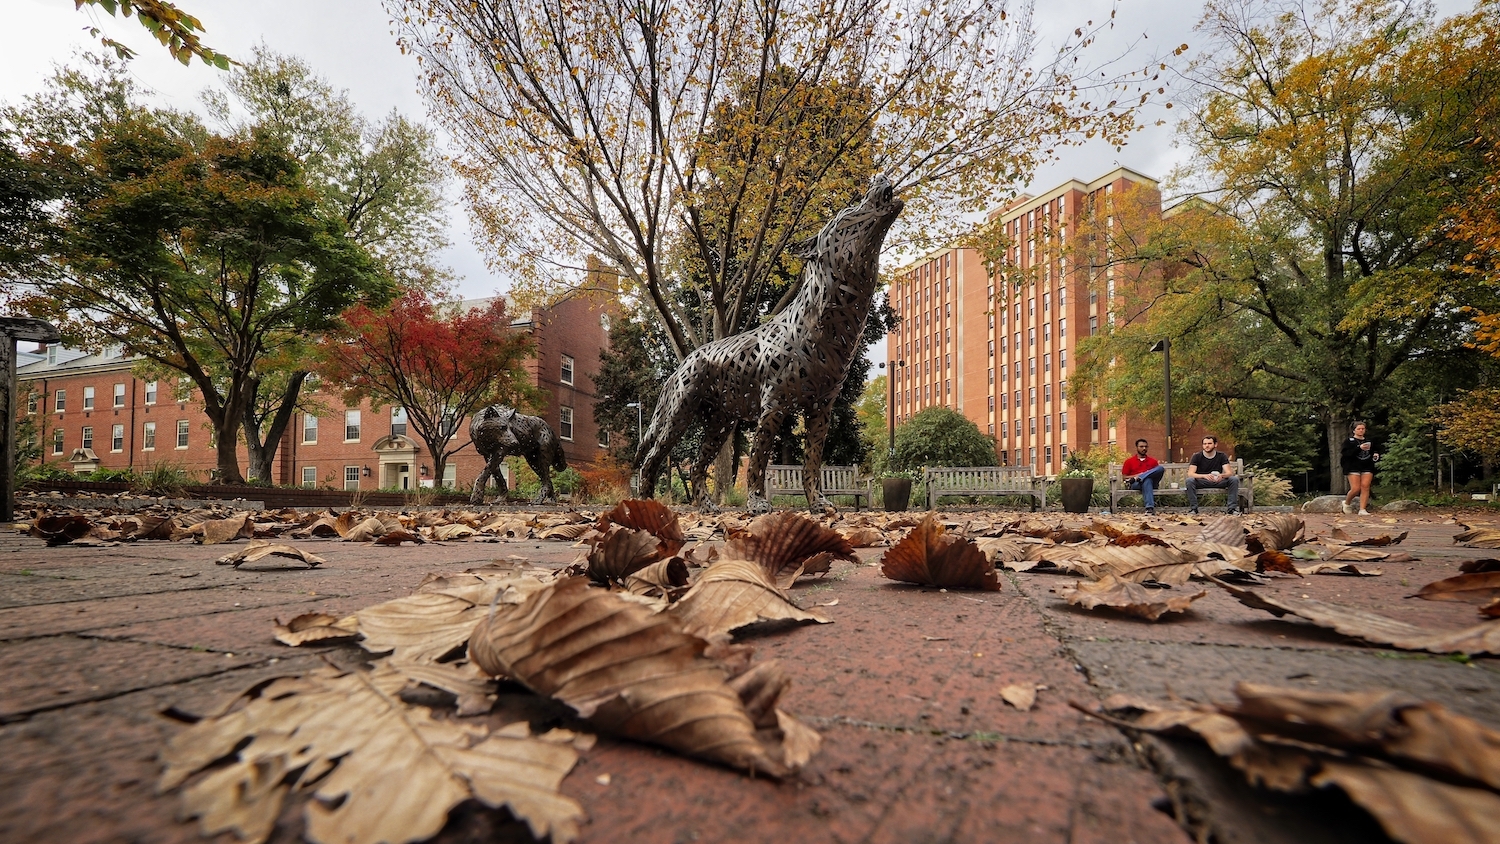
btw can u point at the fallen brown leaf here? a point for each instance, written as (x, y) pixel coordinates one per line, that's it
(1278, 532)
(60, 530)
(216, 531)
(663, 578)
(1479, 565)
(1339, 568)
(1277, 561)
(396, 537)
(784, 543)
(1003, 550)
(386, 771)
(650, 516)
(1128, 597)
(568, 532)
(863, 537)
(931, 557)
(731, 594)
(260, 549)
(1022, 697)
(1163, 564)
(316, 627)
(1483, 638)
(1473, 588)
(620, 552)
(1479, 538)
(636, 673)
(1224, 530)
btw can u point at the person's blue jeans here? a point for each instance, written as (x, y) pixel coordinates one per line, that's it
(1146, 482)
(1230, 483)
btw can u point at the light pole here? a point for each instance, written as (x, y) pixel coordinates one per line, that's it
(890, 408)
(1165, 347)
(639, 434)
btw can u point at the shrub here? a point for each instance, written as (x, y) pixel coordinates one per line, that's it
(44, 472)
(164, 479)
(1269, 487)
(112, 475)
(607, 482)
(938, 436)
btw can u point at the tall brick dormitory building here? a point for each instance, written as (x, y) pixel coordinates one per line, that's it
(1001, 355)
(91, 411)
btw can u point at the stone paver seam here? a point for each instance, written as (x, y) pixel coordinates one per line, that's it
(26, 638)
(194, 588)
(969, 735)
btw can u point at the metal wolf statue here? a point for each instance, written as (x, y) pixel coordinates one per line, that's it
(795, 363)
(498, 432)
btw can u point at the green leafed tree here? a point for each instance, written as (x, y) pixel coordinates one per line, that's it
(1329, 142)
(939, 436)
(177, 30)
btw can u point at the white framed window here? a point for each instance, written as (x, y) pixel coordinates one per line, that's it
(450, 475)
(309, 476)
(565, 423)
(182, 433)
(1062, 422)
(603, 439)
(567, 369)
(119, 395)
(60, 400)
(88, 436)
(52, 352)
(398, 421)
(57, 441)
(148, 437)
(150, 392)
(88, 398)
(351, 426)
(31, 402)
(351, 477)
(117, 438)
(309, 428)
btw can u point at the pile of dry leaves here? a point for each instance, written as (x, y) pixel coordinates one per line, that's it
(629, 639)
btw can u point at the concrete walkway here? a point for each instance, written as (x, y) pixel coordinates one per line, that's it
(95, 643)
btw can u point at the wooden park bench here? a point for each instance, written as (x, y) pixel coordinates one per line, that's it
(833, 480)
(1174, 482)
(985, 480)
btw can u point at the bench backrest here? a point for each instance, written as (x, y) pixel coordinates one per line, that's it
(1175, 473)
(959, 479)
(830, 478)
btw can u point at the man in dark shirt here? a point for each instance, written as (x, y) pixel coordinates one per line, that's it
(1142, 472)
(1211, 469)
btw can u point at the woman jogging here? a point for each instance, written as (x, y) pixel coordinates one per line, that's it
(1358, 457)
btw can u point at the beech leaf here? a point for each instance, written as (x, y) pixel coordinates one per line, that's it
(731, 594)
(1022, 697)
(620, 552)
(664, 578)
(1128, 597)
(932, 557)
(316, 627)
(216, 531)
(783, 543)
(650, 516)
(1479, 538)
(635, 673)
(380, 770)
(1479, 565)
(1141, 563)
(260, 549)
(1474, 588)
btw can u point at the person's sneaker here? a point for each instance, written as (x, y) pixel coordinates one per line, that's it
(1150, 511)
(1348, 508)
(1364, 512)
(1192, 511)
(1232, 511)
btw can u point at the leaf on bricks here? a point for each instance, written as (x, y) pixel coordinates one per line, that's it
(620, 552)
(664, 579)
(259, 549)
(1224, 530)
(1276, 561)
(1142, 563)
(438, 619)
(1473, 588)
(731, 594)
(1278, 532)
(1128, 597)
(637, 673)
(566, 532)
(784, 543)
(650, 516)
(932, 557)
(216, 531)
(378, 768)
(1021, 696)
(1479, 538)
(60, 530)
(1479, 565)
(316, 628)
(396, 537)
(1339, 568)
(863, 537)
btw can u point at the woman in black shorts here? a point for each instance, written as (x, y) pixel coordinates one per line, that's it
(1358, 457)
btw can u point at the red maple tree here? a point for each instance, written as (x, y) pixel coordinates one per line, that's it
(438, 360)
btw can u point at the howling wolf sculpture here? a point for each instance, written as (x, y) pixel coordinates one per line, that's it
(795, 363)
(498, 432)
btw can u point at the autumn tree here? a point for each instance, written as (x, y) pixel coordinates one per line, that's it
(177, 30)
(1328, 144)
(940, 436)
(438, 360)
(600, 129)
(1472, 423)
(194, 252)
(383, 179)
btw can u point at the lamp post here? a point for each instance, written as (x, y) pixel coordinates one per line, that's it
(890, 407)
(1165, 347)
(635, 481)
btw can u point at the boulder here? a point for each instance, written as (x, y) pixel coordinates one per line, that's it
(1324, 504)
(1403, 504)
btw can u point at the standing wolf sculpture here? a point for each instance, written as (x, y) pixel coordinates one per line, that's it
(795, 363)
(498, 432)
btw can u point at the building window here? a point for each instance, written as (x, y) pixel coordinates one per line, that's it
(1093, 325)
(31, 400)
(1047, 426)
(88, 436)
(1062, 296)
(351, 477)
(1003, 429)
(992, 375)
(1062, 451)
(52, 352)
(351, 426)
(1031, 429)
(1047, 362)
(60, 400)
(57, 441)
(1031, 366)
(1046, 392)
(1062, 328)
(1018, 399)
(1031, 336)
(603, 438)
(182, 433)
(1046, 303)
(567, 370)
(1046, 331)
(992, 404)
(1032, 452)
(119, 395)
(148, 437)
(1031, 307)
(88, 398)
(1031, 397)
(1062, 358)
(1062, 391)
(150, 392)
(450, 475)
(1047, 455)
(117, 438)
(992, 348)
(948, 361)
(1018, 341)
(1018, 455)
(565, 423)
(992, 429)
(309, 476)
(309, 428)
(948, 387)
(1094, 422)
(398, 421)
(1003, 404)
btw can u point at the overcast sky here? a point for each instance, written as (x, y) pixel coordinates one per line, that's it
(350, 43)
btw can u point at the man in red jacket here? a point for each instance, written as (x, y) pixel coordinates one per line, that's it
(1142, 471)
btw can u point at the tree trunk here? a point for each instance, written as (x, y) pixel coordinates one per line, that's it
(227, 450)
(262, 452)
(724, 470)
(1338, 429)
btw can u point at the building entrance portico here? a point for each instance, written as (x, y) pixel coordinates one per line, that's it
(397, 454)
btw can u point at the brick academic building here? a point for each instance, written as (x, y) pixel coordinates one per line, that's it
(90, 411)
(1001, 354)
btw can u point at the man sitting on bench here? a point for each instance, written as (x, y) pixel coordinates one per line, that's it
(1211, 469)
(1143, 472)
